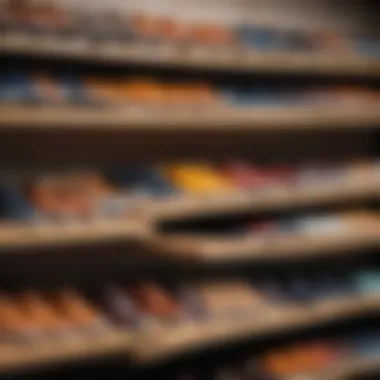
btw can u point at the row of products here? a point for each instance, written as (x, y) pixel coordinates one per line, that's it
(158, 304)
(48, 17)
(113, 193)
(70, 89)
(31, 316)
(298, 360)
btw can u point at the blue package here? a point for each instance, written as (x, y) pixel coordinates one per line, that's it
(73, 89)
(16, 87)
(367, 282)
(14, 206)
(143, 179)
(366, 343)
(251, 96)
(257, 37)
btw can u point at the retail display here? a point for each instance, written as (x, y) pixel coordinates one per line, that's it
(305, 359)
(110, 25)
(117, 192)
(216, 260)
(70, 89)
(32, 317)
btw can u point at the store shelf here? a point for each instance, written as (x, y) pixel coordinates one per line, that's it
(241, 248)
(18, 357)
(265, 199)
(137, 227)
(162, 342)
(219, 118)
(30, 236)
(237, 60)
(345, 370)
(173, 341)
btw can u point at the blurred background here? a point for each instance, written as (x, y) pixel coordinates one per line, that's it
(189, 189)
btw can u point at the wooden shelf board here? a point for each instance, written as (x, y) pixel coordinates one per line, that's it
(188, 206)
(171, 341)
(161, 343)
(137, 227)
(202, 58)
(221, 118)
(28, 356)
(247, 249)
(16, 236)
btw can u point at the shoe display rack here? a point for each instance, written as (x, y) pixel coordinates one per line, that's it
(189, 205)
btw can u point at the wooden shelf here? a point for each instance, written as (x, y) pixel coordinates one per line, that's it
(28, 236)
(345, 370)
(208, 249)
(220, 118)
(172, 341)
(139, 226)
(264, 200)
(191, 57)
(162, 342)
(18, 358)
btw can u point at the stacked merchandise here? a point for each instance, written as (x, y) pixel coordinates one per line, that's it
(145, 314)
(152, 305)
(33, 18)
(91, 194)
(311, 359)
(33, 317)
(69, 89)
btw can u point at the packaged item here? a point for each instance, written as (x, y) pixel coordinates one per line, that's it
(37, 308)
(79, 312)
(201, 179)
(145, 28)
(14, 206)
(48, 90)
(300, 359)
(19, 14)
(105, 92)
(170, 31)
(367, 282)
(213, 35)
(319, 225)
(123, 308)
(47, 17)
(321, 175)
(365, 343)
(16, 326)
(156, 301)
(70, 195)
(16, 87)
(74, 91)
(143, 180)
(229, 299)
(192, 303)
(258, 38)
(243, 175)
(367, 46)
(330, 41)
